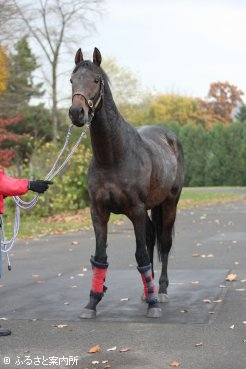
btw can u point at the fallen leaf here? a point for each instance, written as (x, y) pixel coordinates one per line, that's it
(95, 362)
(94, 349)
(207, 301)
(81, 274)
(74, 242)
(107, 366)
(243, 280)
(35, 275)
(195, 255)
(244, 341)
(59, 325)
(232, 326)
(244, 322)
(125, 299)
(211, 312)
(104, 361)
(3, 318)
(231, 277)
(222, 286)
(112, 348)
(126, 349)
(66, 303)
(184, 311)
(210, 256)
(217, 301)
(174, 364)
(240, 289)
(195, 282)
(199, 344)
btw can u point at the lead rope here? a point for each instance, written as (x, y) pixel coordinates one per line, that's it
(5, 245)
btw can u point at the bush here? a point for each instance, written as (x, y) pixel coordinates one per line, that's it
(69, 191)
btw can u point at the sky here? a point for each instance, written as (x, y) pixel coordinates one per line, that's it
(175, 46)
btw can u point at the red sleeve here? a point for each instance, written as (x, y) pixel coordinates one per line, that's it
(11, 186)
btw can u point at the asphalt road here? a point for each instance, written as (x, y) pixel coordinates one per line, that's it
(202, 327)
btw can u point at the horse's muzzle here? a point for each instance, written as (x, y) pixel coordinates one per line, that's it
(77, 115)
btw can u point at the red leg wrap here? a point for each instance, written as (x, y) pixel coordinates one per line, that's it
(98, 279)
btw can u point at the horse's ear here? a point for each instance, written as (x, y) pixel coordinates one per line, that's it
(78, 57)
(97, 58)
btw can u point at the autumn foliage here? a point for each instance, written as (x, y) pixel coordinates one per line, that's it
(6, 138)
(223, 98)
(4, 72)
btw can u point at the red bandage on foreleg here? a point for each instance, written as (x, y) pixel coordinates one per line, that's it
(98, 279)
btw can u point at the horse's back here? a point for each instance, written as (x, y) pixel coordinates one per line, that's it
(161, 136)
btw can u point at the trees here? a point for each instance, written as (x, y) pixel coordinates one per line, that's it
(55, 25)
(174, 108)
(20, 87)
(241, 115)
(6, 138)
(223, 98)
(3, 70)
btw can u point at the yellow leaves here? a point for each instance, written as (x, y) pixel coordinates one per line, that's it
(3, 70)
(174, 364)
(60, 326)
(175, 108)
(94, 349)
(199, 344)
(231, 277)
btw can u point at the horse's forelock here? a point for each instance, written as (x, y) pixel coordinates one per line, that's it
(93, 67)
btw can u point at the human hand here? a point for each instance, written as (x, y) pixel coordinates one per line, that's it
(39, 185)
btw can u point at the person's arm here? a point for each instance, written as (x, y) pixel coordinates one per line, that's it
(10, 186)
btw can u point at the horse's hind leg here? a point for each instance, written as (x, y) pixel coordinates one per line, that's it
(98, 262)
(163, 217)
(150, 242)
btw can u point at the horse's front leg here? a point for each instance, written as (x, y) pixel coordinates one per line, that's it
(144, 265)
(98, 262)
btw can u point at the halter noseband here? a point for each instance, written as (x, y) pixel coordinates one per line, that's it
(90, 102)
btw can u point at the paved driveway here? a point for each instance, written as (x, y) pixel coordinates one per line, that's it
(50, 281)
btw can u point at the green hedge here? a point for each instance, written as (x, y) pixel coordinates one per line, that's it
(215, 157)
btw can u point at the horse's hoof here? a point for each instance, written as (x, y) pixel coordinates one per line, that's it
(154, 312)
(163, 297)
(88, 314)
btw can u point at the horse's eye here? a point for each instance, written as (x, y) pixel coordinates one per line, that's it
(97, 79)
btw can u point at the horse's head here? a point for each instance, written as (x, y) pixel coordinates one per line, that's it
(87, 88)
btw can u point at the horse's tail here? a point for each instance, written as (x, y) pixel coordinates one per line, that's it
(156, 215)
(164, 235)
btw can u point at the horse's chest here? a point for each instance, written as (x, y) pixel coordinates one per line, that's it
(116, 193)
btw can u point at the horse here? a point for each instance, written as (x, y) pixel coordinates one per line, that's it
(137, 172)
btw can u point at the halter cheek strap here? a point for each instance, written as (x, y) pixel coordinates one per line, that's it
(90, 102)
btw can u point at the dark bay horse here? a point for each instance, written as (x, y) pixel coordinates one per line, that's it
(131, 171)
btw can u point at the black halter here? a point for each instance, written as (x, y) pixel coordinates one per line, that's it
(95, 101)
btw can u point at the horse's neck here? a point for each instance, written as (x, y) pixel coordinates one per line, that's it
(107, 133)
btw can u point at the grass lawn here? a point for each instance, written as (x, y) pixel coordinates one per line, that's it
(33, 227)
